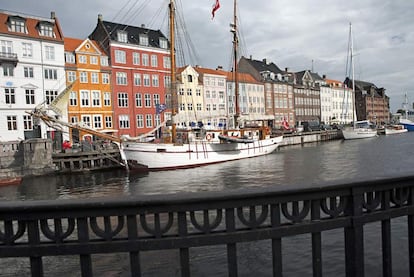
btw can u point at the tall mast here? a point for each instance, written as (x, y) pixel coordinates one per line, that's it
(236, 81)
(174, 97)
(353, 72)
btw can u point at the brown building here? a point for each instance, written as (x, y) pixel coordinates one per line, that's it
(371, 102)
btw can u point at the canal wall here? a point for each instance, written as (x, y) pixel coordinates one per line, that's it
(310, 137)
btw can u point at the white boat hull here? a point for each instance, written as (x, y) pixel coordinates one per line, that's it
(390, 131)
(165, 156)
(358, 133)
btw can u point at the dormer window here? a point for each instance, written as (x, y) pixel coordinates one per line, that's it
(163, 43)
(143, 40)
(46, 29)
(123, 36)
(17, 25)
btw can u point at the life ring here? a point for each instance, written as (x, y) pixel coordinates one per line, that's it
(208, 137)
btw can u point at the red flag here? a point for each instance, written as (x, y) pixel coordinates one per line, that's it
(285, 124)
(216, 6)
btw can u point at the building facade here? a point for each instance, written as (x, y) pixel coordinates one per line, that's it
(141, 78)
(32, 72)
(90, 100)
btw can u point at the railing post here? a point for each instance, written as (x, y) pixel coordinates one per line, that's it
(36, 264)
(276, 242)
(411, 233)
(386, 237)
(316, 241)
(354, 237)
(184, 252)
(231, 247)
(134, 259)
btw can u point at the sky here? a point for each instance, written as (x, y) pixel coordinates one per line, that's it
(299, 35)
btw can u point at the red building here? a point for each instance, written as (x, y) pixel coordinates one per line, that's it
(140, 61)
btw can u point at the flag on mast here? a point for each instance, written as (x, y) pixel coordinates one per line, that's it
(216, 6)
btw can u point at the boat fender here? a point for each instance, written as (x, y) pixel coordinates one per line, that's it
(208, 137)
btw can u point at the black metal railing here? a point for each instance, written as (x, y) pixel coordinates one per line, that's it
(135, 225)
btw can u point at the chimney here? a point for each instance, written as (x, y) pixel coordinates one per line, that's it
(324, 76)
(142, 25)
(219, 67)
(264, 61)
(100, 18)
(287, 69)
(52, 15)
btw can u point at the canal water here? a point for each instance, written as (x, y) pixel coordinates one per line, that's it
(307, 165)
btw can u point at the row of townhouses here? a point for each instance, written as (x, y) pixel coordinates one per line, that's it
(120, 77)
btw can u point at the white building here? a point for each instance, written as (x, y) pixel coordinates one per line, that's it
(336, 103)
(31, 72)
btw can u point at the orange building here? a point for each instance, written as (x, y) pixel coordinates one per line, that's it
(90, 101)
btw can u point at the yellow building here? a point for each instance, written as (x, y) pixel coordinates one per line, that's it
(90, 102)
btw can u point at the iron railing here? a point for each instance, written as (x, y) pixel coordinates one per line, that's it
(134, 225)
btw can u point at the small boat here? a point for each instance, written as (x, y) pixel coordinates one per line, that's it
(395, 129)
(407, 123)
(10, 181)
(360, 129)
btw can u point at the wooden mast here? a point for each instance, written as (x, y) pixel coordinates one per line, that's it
(236, 81)
(174, 100)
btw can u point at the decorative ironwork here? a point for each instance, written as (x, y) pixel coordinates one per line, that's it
(94, 226)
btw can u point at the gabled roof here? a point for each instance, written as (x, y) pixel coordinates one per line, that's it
(261, 66)
(73, 44)
(32, 25)
(133, 33)
(242, 78)
(202, 70)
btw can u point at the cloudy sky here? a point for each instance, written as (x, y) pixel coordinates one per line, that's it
(299, 35)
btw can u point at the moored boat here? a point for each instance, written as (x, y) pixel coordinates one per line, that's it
(10, 181)
(196, 147)
(395, 129)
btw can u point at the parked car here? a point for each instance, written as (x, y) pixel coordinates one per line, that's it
(326, 127)
(310, 126)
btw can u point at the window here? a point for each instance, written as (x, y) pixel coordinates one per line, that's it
(97, 121)
(46, 30)
(105, 78)
(199, 107)
(124, 121)
(83, 59)
(155, 81)
(190, 78)
(50, 53)
(73, 98)
(17, 26)
(122, 99)
(148, 120)
(156, 99)
(30, 96)
(104, 61)
(94, 78)
(198, 92)
(50, 95)
(143, 40)
(73, 119)
(71, 76)
(28, 72)
(167, 81)
(96, 98)
(84, 95)
(182, 107)
(163, 43)
(120, 56)
(147, 100)
(137, 79)
(189, 92)
(10, 96)
(107, 99)
(138, 100)
(8, 70)
(181, 91)
(166, 62)
(11, 122)
(83, 77)
(27, 50)
(154, 61)
(208, 107)
(190, 106)
(69, 57)
(157, 120)
(108, 122)
(27, 122)
(145, 59)
(146, 80)
(6, 47)
(93, 59)
(86, 119)
(50, 74)
(135, 58)
(140, 121)
(122, 36)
